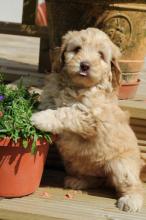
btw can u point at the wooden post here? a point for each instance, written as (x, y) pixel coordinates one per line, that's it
(44, 58)
(29, 12)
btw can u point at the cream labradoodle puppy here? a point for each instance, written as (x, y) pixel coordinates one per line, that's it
(95, 139)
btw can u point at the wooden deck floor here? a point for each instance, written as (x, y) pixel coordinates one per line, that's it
(49, 201)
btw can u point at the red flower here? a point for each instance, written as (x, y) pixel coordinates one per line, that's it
(1, 114)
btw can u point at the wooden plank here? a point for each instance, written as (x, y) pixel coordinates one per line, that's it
(23, 29)
(8, 65)
(44, 58)
(94, 204)
(140, 136)
(11, 215)
(143, 149)
(142, 143)
(137, 109)
(139, 129)
(136, 121)
(29, 78)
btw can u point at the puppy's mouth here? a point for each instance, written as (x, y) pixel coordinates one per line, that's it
(84, 74)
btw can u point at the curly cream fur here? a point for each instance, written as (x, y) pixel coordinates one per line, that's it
(95, 139)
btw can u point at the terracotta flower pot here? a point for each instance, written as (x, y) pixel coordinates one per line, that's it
(124, 22)
(20, 171)
(128, 91)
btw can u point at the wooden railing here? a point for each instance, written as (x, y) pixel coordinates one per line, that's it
(29, 28)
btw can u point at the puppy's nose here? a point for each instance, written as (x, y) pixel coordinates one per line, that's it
(84, 66)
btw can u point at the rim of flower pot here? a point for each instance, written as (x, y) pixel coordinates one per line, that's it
(130, 78)
(41, 141)
(131, 84)
(8, 142)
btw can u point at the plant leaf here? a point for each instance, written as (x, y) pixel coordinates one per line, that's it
(47, 136)
(33, 148)
(25, 143)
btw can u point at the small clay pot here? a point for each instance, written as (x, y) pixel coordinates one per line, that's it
(20, 170)
(128, 91)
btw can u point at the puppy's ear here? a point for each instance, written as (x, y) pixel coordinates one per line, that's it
(55, 59)
(115, 68)
(62, 51)
(57, 56)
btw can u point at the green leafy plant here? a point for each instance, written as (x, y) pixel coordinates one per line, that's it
(16, 108)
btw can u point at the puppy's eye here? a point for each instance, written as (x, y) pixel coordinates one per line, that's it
(101, 55)
(76, 49)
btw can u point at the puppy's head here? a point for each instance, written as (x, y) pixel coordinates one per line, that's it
(90, 58)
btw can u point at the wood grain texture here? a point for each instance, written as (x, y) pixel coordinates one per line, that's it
(137, 109)
(94, 204)
(13, 215)
(137, 121)
(23, 29)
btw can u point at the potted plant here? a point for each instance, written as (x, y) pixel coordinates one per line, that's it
(23, 148)
(128, 90)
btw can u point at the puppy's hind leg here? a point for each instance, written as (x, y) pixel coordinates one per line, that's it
(124, 174)
(83, 182)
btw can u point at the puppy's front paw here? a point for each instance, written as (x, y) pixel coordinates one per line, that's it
(39, 120)
(130, 203)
